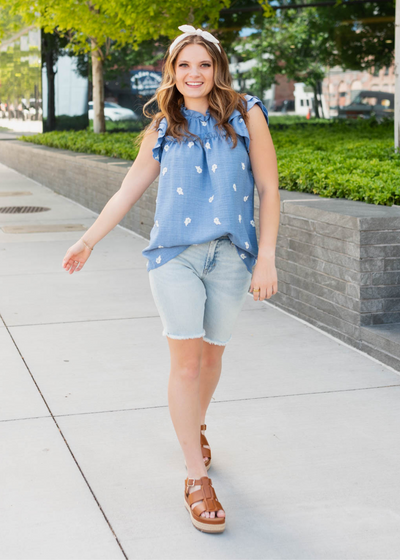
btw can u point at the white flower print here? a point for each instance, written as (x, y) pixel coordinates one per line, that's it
(187, 221)
(161, 246)
(245, 198)
(190, 144)
(243, 165)
(240, 120)
(247, 245)
(199, 169)
(166, 148)
(164, 171)
(208, 146)
(234, 187)
(216, 221)
(252, 223)
(179, 190)
(156, 199)
(158, 259)
(243, 256)
(240, 219)
(204, 123)
(156, 223)
(214, 167)
(155, 157)
(211, 198)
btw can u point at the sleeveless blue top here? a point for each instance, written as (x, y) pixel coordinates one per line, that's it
(204, 192)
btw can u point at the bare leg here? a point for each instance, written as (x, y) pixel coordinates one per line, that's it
(184, 404)
(211, 366)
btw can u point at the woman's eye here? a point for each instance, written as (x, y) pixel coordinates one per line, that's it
(205, 64)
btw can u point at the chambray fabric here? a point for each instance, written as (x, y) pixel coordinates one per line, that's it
(204, 192)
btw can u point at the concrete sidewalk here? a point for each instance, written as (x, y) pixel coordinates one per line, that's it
(304, 430)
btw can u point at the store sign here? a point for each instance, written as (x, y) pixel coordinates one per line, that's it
(145, 82)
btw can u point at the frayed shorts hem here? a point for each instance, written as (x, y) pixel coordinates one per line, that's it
(217, 342)
(183, 337)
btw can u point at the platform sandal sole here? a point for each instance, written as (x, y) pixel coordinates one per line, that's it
(205, 527)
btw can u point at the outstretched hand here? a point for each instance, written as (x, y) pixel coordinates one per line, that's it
(76, 256)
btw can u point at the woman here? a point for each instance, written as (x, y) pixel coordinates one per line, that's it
(208, 143)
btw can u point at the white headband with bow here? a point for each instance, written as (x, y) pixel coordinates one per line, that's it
(190, 30)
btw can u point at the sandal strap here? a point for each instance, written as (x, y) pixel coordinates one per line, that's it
(203, 427)
(206, 494)
(206, 452)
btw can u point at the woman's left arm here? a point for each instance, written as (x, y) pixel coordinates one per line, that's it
(265, 172)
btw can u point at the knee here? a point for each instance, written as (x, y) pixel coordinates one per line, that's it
(189, 371)
(210, 362)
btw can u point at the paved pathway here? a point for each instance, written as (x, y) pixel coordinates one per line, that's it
(304, 429)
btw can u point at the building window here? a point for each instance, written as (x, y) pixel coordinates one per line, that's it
(301, 102)
(386, 70)
(376, 71)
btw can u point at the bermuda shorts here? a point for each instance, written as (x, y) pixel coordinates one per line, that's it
(200, 292)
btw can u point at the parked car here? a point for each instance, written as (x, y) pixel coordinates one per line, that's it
(114, 112)
(369, 103)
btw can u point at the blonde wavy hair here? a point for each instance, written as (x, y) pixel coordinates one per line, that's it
(222, 99)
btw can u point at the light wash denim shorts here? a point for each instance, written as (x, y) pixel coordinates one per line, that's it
(200, 292)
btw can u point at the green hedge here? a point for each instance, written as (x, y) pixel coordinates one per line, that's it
(353, 160)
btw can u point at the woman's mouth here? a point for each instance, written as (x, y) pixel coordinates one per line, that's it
(194, 84)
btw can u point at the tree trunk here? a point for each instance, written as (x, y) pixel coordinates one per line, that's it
(48, 47)
(316, 108)
(321, 98)
(99, 124)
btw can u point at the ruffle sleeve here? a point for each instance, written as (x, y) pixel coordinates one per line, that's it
(158, 148)
(236, 119)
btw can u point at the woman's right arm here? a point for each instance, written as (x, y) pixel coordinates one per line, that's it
(141, 175)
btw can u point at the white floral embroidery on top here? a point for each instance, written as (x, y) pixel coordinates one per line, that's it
(243, 166)
(164, 171)
(156, 199)
(240, 218)
(214, 167)
(187, 221)
(245, 198)
(156, 223)
(166, 148)
(234, 187)
(216, 221)
(155, 157)
(208, 146)
(211, 198)
(243, 256)
(199, 169)
(158, 259)
(190, 144)
(252, 223)
(179, 190)
(240, 120)
(204, 123)
(247, 245)
(161, 246)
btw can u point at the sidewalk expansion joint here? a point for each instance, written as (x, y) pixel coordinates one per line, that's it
(139, 408)
(65, 440)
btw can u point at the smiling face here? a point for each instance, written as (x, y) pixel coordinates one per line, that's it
(194, 70)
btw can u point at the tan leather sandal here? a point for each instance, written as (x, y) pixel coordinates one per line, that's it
(209, 503)
(206, 452)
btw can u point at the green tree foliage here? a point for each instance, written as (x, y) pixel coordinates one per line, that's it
(92, 26)
(289, 43)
